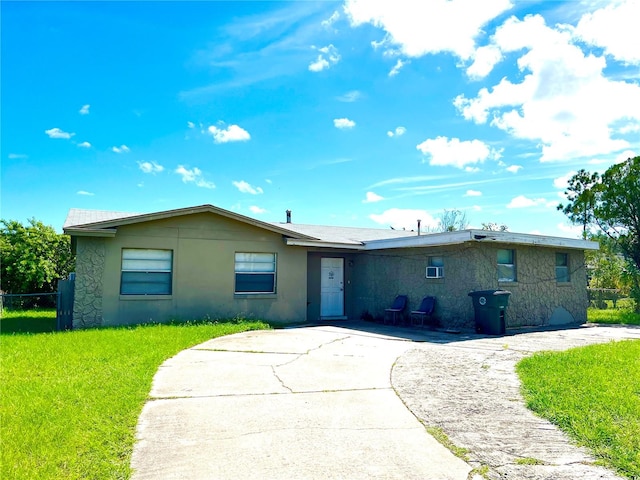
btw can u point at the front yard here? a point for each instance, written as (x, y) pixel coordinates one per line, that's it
(71, 400)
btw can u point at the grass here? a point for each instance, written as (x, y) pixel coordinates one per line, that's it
(613, 316)
(70, 400)
(593, 394)
(24, 321)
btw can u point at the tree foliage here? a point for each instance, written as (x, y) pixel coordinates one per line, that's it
(611, 203)
(33, 257)
(495, 227)
(452, 220)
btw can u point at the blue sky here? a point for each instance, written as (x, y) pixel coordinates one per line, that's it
(371, 114)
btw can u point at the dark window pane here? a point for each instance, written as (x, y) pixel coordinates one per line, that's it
(145, 283)
(255, 283)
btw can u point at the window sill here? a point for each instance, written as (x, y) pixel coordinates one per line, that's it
(255, 295)
(146, 297)
(504, 283)
(564, 284)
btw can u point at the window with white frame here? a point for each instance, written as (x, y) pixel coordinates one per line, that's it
(562, 267)
(146, 271)
(435, 267)
(506, 265)
(255, 273)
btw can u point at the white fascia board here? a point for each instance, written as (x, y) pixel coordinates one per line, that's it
(320, 244)
(487, 236)
(91, 232)
(481, 236)
(425, 240)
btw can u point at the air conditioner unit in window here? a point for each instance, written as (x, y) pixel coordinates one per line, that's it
(435, 272)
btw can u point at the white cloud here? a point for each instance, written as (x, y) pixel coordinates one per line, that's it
(372, 198)
(319, 65)
(575, 230)
(514, 168)
(455, 153)
(15, 156)
(84, 192)
(405, 218)
(473, 193)
(343, 123)
(84, 110)
(561, 88)
(232, 134)
(84, 145)
(193, 176)
(191, 125)
(350, 97)
(150, 167)
(328, 57)
(563, 181)
(484, 59)
(331, 20)
(419, 28)
(244, 187)
(121, 149)
(57, 133)
(524, 202)
(610, 28)
(398, 132)
(257, 210)
(396, 69)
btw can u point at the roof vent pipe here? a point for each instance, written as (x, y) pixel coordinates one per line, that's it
(419, 226)
(288, 216)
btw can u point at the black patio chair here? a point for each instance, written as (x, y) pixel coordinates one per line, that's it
(424, 312)
(395, 311)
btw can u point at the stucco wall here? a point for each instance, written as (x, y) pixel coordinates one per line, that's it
(380, 276)
(203, 281)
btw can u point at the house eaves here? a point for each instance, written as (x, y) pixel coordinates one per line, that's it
(107, 227)
(481, 236)
(322, 244)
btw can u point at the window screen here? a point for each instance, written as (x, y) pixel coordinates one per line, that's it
(506, 266)
(146, 272)
(562, 267)
(255, 272)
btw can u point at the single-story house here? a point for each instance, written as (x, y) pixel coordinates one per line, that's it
(205, 261)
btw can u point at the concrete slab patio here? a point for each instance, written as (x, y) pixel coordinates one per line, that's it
(327, 402)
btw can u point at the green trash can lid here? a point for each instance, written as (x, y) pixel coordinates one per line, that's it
(487, 293)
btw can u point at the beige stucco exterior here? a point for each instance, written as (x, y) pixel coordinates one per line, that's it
(381, 275)
(204, 241)
(203, 248)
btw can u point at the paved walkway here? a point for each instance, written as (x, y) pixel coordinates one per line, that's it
(318, 403)
(469, 388)
(303, 403)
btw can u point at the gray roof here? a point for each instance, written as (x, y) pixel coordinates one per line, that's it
(346, 235)
(77, 217)
(104, 223)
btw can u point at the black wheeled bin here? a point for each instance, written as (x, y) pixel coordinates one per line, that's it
(490, 308)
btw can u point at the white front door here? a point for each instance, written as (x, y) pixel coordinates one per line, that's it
(332, 287)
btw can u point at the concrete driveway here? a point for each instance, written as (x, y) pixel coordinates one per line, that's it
(303, 403)
(318, 403)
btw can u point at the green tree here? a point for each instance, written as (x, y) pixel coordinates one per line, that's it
(452, 220)
(611, 203)
(33, 257)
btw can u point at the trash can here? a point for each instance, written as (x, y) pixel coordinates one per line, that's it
(490, 309)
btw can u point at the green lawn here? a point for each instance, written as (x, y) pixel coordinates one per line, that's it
(23, 321)
(70, 400)
(622, 316)
(593, 394)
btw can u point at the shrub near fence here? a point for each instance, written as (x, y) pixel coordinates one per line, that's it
(598, 297)
(26, 301)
